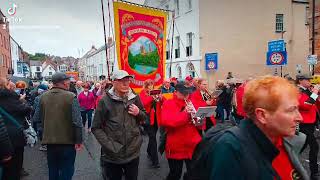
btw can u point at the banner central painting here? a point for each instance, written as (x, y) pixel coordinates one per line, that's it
(140, 37)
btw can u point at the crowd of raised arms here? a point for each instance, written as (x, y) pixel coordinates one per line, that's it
(254, 128)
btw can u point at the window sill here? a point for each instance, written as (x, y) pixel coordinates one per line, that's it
(188, 11)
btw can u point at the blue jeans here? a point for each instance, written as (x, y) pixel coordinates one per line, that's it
(61, 160)
(87, 114)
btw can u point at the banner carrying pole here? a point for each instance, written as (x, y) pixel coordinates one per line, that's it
(173, 22)
(105, 38)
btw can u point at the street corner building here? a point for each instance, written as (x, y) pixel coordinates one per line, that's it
(5, 55)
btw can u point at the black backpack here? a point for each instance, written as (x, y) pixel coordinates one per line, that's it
(199, 168)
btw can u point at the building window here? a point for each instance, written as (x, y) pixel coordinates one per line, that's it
(307, 15)
(189, 4)
(38, 68)
(63, 68)
(191, 70)
(1, 60)
(189, 44)
(5, 61)
(177, 8)
(168, 49)
(19, 68)
(50, 68)
(279, 23)
(50, 73)
(177, 47)
(179, 72)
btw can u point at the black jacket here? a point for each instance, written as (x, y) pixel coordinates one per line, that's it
(225, 97)
(251, 158)
(5, 143)
(10, 102)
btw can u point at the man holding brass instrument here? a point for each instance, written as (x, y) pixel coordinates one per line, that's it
(308, 110)
(182, 135)
(203, 97)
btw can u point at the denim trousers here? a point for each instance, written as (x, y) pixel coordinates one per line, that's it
(61, 160)
(87, 115)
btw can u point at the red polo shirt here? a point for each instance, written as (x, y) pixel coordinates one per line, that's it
(283, 165)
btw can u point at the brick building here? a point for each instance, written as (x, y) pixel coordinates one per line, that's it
(5, 55)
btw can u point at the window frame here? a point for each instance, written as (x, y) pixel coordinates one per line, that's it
(168, 49)
(177, 47)
(279, 23)
(189, 44)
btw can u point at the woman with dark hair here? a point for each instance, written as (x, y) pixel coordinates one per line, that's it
(11, 103)
(87, 103)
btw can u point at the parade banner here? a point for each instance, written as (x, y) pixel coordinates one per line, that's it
(141, 41)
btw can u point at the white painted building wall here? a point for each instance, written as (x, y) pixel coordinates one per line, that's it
(18, 69)
(35, 70)
(48, 71)
(186, 21)
(95, 64)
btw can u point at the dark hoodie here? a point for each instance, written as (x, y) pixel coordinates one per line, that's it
(10, 102)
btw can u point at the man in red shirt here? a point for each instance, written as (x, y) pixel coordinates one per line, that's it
(308, 111)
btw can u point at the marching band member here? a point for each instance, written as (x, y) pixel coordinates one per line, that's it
(308, 110)
(166, 87)
(182, 135)
(152, 104)
(189, 81)
(202, 98)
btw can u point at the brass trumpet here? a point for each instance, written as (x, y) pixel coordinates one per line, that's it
(209, 95)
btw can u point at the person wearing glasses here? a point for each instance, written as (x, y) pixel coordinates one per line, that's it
(116, 127)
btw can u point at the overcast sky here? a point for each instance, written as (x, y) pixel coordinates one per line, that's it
(57, 27)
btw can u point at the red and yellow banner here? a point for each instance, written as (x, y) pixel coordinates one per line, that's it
(141, 41)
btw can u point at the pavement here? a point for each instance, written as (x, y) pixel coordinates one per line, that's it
(88, 162)
(87, 165)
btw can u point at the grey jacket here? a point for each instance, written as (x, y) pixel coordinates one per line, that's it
(293, 146)
(116, 130)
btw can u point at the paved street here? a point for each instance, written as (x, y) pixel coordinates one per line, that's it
(87, 162)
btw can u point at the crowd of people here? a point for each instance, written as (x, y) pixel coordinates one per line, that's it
(260, 128)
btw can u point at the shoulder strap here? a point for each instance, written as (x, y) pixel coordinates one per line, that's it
(9, 117)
